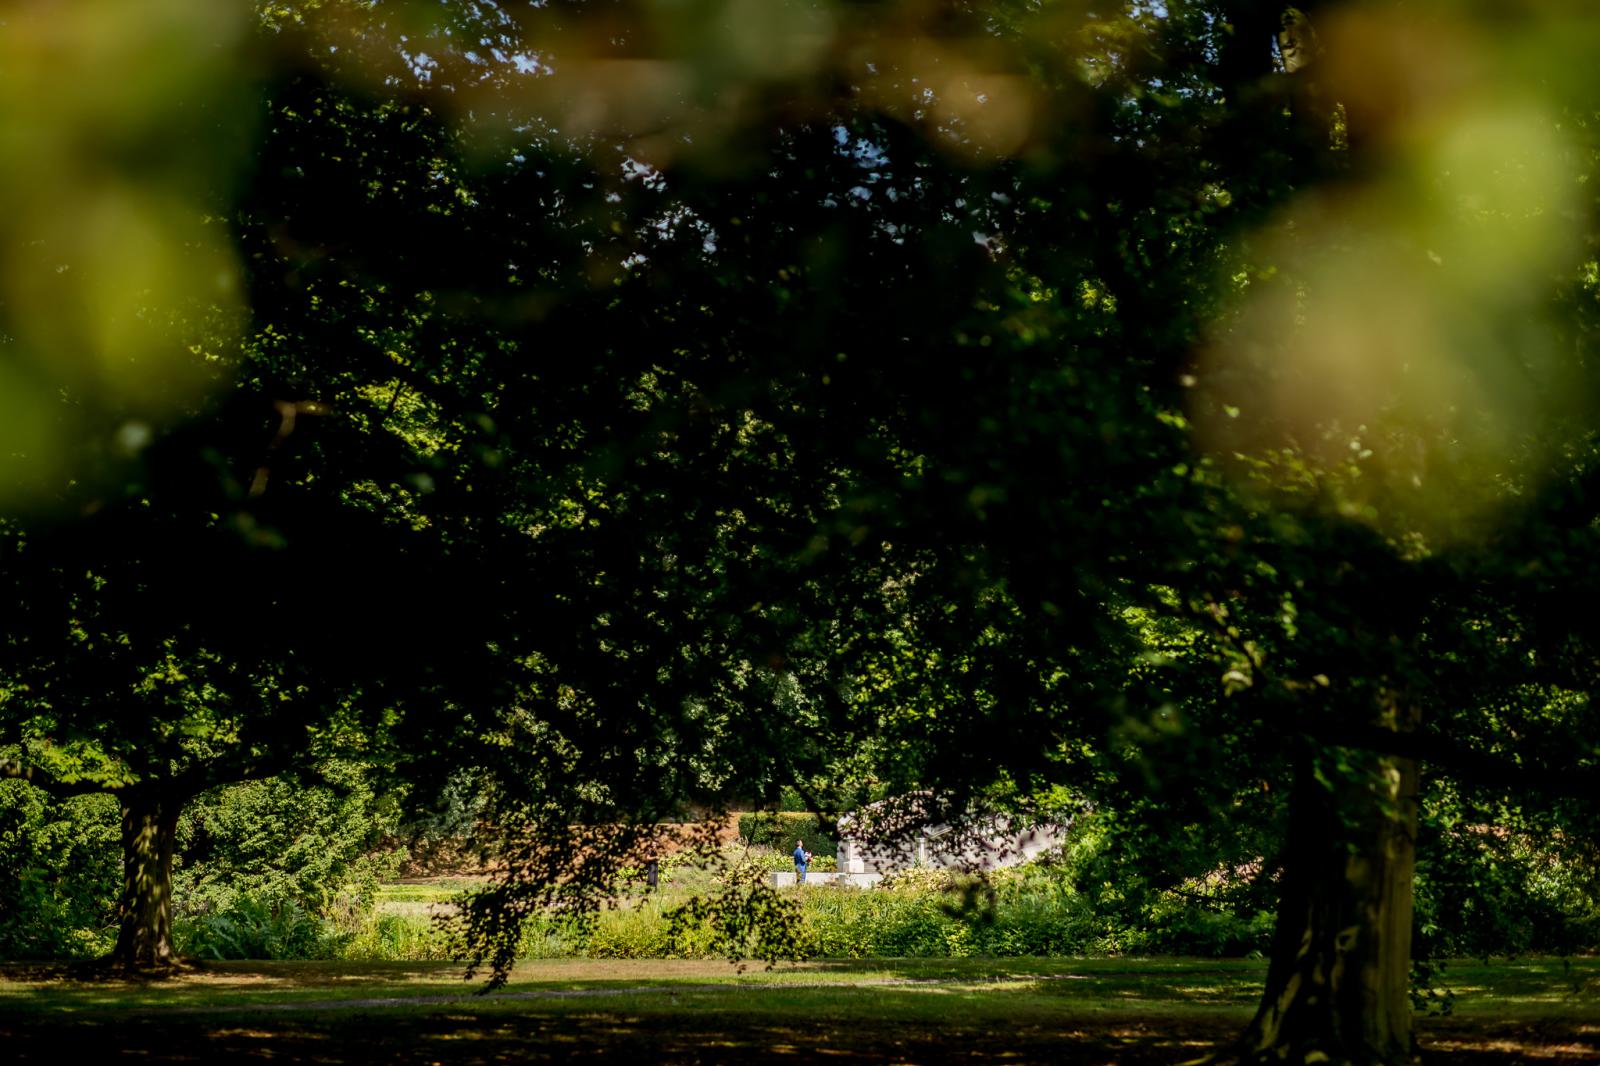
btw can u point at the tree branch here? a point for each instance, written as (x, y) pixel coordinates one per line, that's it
(245, 766)
(1481, 767)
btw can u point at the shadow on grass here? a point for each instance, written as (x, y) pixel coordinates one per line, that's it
(457, 1038)
(880, 1011)
(460, 1037)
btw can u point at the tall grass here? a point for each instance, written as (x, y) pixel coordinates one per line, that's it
(917, 921)
(916, 914)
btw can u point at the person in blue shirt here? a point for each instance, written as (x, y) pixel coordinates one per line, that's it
(802, 859)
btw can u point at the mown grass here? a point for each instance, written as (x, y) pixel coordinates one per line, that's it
(235, 985)
(431, 890)
(1525, 988)
(906, 1010)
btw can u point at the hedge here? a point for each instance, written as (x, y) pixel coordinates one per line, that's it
(782, 829)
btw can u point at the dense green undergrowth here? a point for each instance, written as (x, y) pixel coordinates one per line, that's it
(933, 917)
(291, 870)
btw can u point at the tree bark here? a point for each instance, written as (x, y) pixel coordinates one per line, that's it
(1338, 985)
(149, 826)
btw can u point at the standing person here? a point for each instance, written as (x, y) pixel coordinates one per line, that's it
(801, 858)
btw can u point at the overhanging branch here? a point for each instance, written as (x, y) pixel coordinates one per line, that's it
(1535, 774)
(244, 766)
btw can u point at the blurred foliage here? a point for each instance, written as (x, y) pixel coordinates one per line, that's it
(121, 295)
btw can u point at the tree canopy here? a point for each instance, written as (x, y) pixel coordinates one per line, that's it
(1182, 407)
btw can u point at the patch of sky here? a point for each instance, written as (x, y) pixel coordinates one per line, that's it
(422, 65)
(643, 173)
(860, 151)
(678, 217)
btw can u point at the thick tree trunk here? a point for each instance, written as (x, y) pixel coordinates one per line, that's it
(1338, 986)
(149, 825)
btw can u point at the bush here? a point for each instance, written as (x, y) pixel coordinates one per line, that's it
(635, 932)
(438, 834)
(781, 829)
(771, 860)
(254, 927)
(1504, 890)
(790, 800)
(283, 840)
(392, 937)
(1177, 926)
(60, 873)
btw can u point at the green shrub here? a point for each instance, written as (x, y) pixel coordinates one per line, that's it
(634, 932)
(393, 937)
(782, 828)
(933, 914)
(790, 800)
(437, 833)
(60, 873)
(281, 839)
(1505, 890)
(256, 927)
(920, 879)
(1181, 926)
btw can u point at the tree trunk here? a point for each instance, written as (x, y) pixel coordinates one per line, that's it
(149, 825)
(1338, 986)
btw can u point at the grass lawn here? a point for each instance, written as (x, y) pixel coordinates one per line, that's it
(885, 1011)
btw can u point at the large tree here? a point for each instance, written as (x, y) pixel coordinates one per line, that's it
(211, 572)
(806, 389)
(1047, 320)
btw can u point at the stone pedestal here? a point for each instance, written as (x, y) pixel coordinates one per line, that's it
(786, 879)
